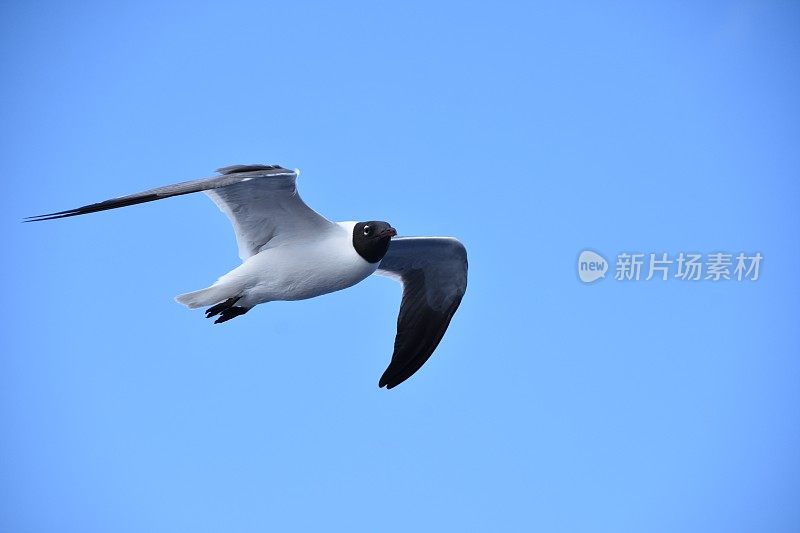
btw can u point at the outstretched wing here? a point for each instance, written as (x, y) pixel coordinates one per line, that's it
(433, 271)
(260, 200)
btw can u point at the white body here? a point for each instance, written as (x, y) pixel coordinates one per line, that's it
(323, 263)
(291, 252)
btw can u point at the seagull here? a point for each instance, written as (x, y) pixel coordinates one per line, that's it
(291, 252)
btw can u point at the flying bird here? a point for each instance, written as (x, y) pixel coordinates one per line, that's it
(291, 252)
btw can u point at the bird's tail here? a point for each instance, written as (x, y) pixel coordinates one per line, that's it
(205, 297)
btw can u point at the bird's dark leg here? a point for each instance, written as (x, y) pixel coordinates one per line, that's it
(231, 312)
(226, 310)
(220, 307)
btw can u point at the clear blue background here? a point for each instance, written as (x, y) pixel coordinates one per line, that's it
(530, 132)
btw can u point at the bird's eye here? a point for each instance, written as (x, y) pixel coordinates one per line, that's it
(367, 230)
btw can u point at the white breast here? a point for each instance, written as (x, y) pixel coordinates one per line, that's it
(302, 270)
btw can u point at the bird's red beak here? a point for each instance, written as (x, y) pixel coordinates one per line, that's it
(391, 232)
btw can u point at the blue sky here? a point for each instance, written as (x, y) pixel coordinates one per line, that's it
(531, 132)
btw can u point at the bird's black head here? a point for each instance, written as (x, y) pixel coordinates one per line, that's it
(371, 239)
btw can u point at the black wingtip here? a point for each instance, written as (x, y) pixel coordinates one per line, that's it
(52, 216)
(114, 203)
(385, 383)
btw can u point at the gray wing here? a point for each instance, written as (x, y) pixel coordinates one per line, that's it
(433, 271)
(260, 200)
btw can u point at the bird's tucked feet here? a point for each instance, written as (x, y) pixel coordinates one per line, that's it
(226, 310)
(231, 312)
